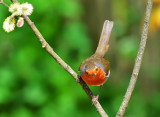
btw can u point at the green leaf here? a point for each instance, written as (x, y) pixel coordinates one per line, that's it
(128, 47)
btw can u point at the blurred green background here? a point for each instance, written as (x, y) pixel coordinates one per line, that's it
(32, 84)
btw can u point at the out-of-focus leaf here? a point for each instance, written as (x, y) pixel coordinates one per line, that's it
(120, 28)
(50, 110)
(68, 8)
(21, 112)
(134, 16)
(75, 36)
(65, 101)
(3, 115)
(5, 94)
(35, 94)
(6, 77)
(153, 71)
(137, 106)
(154, 100)
(127, 47)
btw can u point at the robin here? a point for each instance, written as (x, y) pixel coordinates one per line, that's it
(94, 70)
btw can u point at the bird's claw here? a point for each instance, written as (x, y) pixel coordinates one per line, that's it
(78, 79)
(95, 99)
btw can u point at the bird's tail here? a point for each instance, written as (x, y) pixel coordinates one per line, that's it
(104, 39)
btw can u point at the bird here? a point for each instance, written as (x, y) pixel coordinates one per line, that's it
(94, 70)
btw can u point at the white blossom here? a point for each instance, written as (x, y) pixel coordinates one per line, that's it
(27, 8)
(9, 24)
(15, 8)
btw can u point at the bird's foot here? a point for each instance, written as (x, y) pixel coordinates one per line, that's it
(95, 99)
(78, 79)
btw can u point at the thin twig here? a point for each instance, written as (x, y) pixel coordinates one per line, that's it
(1, 2)
(48, 48)
(137, 65)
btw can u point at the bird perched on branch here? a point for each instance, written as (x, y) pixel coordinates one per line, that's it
(94, 70)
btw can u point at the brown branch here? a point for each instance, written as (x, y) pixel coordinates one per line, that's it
(137, 65)
(48, 48)
(1, 2)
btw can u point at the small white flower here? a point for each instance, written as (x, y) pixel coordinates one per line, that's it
(15, 8)
(20, 22)
(27, 8)
(9, 24)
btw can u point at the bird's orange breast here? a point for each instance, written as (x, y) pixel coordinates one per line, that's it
(94, 77)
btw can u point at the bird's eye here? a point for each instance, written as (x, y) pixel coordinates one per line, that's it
(93, 75)
(97, 69)
(86, 73)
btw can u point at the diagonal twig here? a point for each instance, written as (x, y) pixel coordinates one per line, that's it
(137, 65)
(48, 48)
(1, 2)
